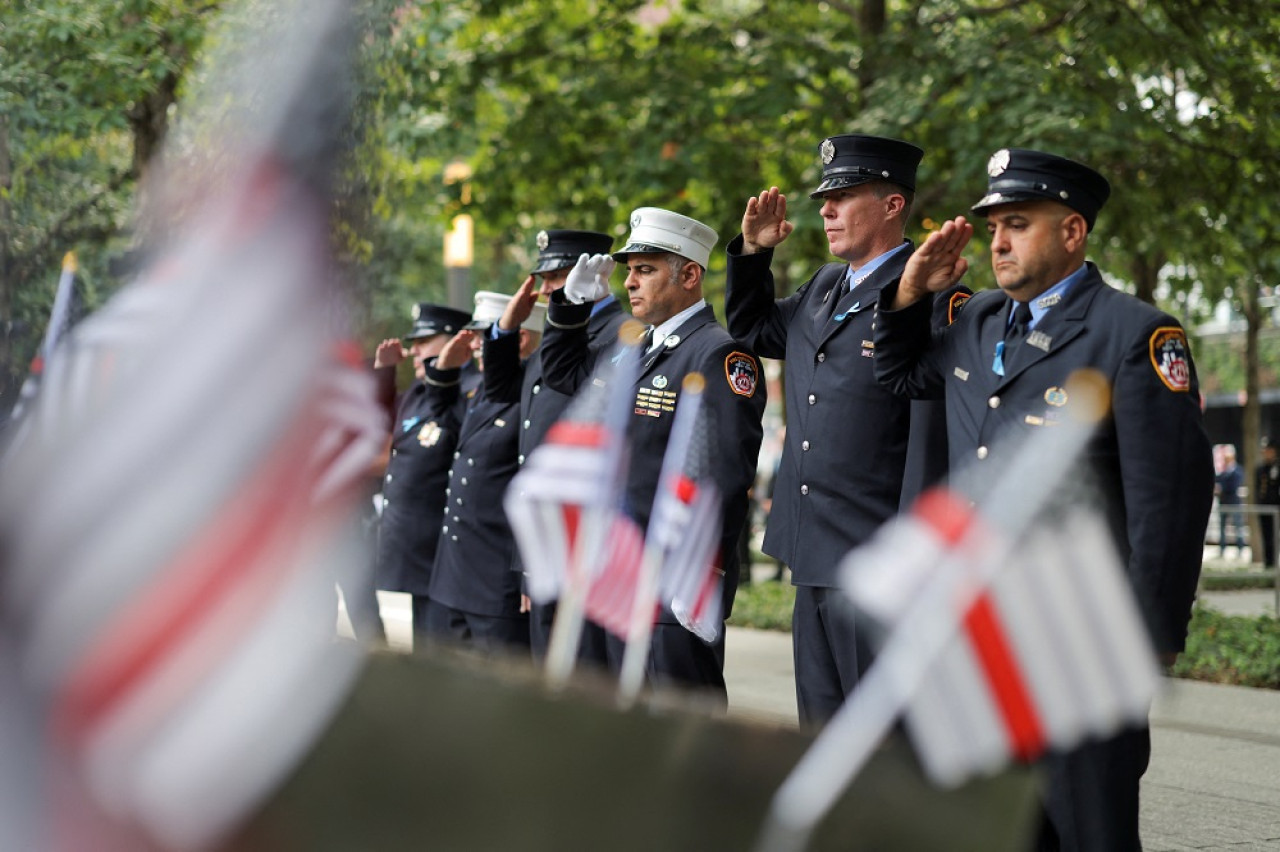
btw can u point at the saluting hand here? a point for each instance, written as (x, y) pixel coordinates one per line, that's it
(389, 353)
(936, 264)
(764, 223)
(588, 281)
(456, 352)
(520, 306)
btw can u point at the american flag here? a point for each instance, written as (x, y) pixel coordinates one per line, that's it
(173, 527)
(611, 599)
(565, 501)
(685, 523)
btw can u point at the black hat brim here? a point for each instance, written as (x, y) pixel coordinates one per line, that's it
(841, 182)
(996, 199)
(992, 200)
(552, 262)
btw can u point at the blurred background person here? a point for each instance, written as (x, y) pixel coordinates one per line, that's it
(417, 458)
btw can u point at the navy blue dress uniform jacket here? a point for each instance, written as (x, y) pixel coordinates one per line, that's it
(423, 436)
(472, 571)
(848, 437)
(1150, 457)
(735, 410)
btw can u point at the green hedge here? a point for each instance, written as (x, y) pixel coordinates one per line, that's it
(764, 606)
(1231, 649)
(1220, 648)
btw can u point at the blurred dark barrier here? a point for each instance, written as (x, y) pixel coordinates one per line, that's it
(431, 752)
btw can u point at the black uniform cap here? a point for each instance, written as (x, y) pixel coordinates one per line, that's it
(430, 320)
(854, 159)
(561, 249)
(1019, 174)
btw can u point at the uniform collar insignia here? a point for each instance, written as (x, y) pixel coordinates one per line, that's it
(1039, 340)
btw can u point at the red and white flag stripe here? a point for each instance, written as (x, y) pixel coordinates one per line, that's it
(1053, 651)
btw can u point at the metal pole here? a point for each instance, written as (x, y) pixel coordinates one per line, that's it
(458, 281)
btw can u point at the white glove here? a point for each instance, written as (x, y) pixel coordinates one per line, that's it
(588, 281)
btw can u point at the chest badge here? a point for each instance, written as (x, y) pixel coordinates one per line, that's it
(659, 382)
(429, 434)
(1056, 397)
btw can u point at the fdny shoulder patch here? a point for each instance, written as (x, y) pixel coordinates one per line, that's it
(742, 373)
(1170, 358)
(954, 306)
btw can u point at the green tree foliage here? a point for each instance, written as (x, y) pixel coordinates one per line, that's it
(85, 91)
(573, 112)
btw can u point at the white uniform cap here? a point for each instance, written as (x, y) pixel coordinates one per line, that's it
(655, 230)
(536, 319)
(489, 308)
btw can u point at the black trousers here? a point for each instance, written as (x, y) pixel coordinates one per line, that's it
(592, 647)
(680, 659)
(1091, 798)
(1268, 541)
(830, 654)
(488, 634)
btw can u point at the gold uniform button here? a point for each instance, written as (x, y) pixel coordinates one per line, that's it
(982, 452)
(994, 402)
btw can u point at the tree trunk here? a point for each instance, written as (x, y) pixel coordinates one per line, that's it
(871, 23)
(149, 121)
(1144, 269)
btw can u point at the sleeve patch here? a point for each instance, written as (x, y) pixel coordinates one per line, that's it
(1171, 359)
(954, 306)
(742, 373)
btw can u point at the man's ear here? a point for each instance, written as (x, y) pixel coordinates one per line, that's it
(690, 275)
(1075, 231)
(895, 203)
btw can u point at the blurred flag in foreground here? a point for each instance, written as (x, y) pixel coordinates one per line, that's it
(1052, 652)
(1009, 627)
(680, 553)
(565, 500)
(612, 595)
(565, 504)
(685, 523)
(170, 539)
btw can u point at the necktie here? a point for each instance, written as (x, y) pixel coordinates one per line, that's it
(1014, 334)
(646, 342)
(837, 293)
